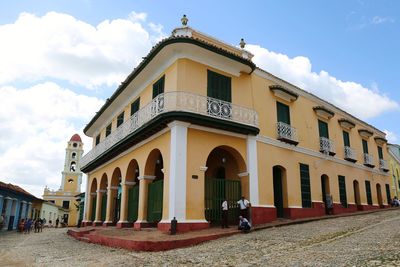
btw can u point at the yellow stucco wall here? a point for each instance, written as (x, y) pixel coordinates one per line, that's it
(394, 171)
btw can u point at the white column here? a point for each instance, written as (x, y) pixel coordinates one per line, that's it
(86, 218)
(29, 210)
(177, 171)
(252, 167)
(23, 210)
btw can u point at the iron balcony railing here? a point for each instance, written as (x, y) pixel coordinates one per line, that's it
(286, 133)
(326, 146)
(383, 165)
(174, 101)
(368, 160)
(350, 154)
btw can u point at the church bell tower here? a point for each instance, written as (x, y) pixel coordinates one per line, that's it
(72, 175)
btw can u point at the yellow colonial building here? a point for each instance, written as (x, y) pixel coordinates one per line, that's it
(70, 183)
(394, 167)
(197, 121)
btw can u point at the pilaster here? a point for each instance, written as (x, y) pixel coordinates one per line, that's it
(252, 166)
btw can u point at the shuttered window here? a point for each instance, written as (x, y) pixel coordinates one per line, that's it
(305, 186)
(323, 129)
(388, 197)
(108, 130)
(120, 119)
(97, 140)
(342, 191)
(380, 153)
(135, 106)
(346, 139)
(365, 146)
(219, 86)
(283, 113)
(158, 87)
(368, 191)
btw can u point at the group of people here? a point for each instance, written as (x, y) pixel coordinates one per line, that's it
(244, 224)
(27, 225)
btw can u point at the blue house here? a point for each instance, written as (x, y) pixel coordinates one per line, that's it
(15, 204)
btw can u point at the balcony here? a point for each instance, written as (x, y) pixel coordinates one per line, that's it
(174, 102)
(286, 133)
(369, 160)
(383, 165)
(350, 154)
(327, 146)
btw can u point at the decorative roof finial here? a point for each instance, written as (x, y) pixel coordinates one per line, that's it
(184, 21)
(242, 43)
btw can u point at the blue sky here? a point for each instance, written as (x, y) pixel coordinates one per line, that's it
(356, 43)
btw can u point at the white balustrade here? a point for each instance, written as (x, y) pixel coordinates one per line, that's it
(174, 101)
(368, 159)
(326, 145)
(350, 153)
(383, 165)
(286, 132)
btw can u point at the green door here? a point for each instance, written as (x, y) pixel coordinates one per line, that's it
(278, 192)
(216, 189)
(283, 114)
(94, 209)
(133, 203)
(103, 207)
(155, 201)
(81, 207)
(388, 197)
(323, 129)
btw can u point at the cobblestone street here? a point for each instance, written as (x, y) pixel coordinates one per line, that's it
(367, 240)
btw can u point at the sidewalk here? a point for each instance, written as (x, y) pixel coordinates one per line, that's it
(151, 239)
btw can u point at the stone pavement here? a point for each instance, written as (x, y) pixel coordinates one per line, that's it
(366, 240)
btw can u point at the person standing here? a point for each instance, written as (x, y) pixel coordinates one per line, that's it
(57, 222)
(224, 207)
(244, 204)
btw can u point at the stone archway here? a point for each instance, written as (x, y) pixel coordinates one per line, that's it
(154, 171)
(114, 191)
(132, 196)
(101, 200)
(91, 207)
(225, 178)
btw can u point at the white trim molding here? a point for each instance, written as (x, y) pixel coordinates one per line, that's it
(243, 174)
(101, 191)
(203, 168)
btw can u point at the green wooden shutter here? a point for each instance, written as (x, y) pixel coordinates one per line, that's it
(283, 113)
(365, 146)
(342, 191)
(219, 86)
(368, 192)
(346, 139)
(103, 207)
(158, 87)
(380, 153)
(93, 215)
(133, 203)
(305, 186)
(323, 129)
(108, 130)
(155, 201)
(135, 106)
(120, 119)
(388, 197)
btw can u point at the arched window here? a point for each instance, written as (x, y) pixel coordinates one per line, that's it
(72, 167)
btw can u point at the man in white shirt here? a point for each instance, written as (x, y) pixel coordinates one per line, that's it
(244, 204)
(224, 206)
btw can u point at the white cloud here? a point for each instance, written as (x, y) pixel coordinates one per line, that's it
(60, 46)
(354, 98)
(380, 20)
(391, 136)
(36, 124)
